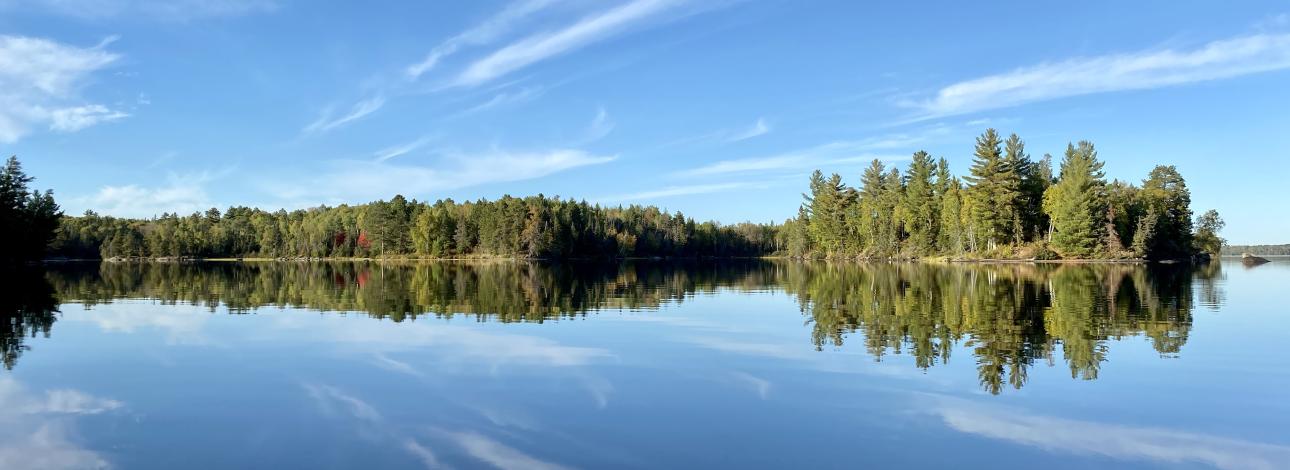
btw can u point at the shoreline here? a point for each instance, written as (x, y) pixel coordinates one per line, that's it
(1136, 261)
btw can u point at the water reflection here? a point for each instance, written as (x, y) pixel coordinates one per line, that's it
(1008, 316)
(27, 308)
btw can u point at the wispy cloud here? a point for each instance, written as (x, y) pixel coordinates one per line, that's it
(1111, 440)
(184, 193)
(601, 125)
(839, 152)
(543, 46)
(1220, 59)
(422, 453)
(328, 121)
(672, 191)
(332, 400)
(161, 10)
(500, 455)
(40, 432)
(758, 128)
(79, 117)
(39, 85)
(399, 150)
(504, 98)
(365, 180)
(757, 384)
(484, 33)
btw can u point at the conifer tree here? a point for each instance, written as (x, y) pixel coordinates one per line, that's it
(1076, 203)
(994, 189)
(921, 211)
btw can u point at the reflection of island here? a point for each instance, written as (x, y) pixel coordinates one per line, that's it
(27, 308)
(1010, 316)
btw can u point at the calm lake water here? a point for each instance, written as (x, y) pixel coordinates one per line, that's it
(645, 365)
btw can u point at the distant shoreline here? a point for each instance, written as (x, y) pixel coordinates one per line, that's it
(1134, 261)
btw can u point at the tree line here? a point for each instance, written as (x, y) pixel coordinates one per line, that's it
(1261, 250)
(1009, 206)
(530, 227)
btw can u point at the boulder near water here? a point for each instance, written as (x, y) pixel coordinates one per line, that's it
(1251, 260)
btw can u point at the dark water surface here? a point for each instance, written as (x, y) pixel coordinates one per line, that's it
(754, 364)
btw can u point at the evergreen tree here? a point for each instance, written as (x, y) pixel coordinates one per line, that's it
(1075, 204)
(994, 190)
(1165, 195)
(951, 235)
(921, 209)
(28, 218)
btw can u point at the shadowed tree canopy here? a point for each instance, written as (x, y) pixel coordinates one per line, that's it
(28, 217)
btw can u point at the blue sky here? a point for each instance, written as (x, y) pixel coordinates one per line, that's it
(717, 108)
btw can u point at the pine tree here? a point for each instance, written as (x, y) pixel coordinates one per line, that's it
(1076, 204)
(28, 218)
(922, 213)
(951, 235)
(994, 190)
(1165, 195)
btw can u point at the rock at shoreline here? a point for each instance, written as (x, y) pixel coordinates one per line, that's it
(1251, 260)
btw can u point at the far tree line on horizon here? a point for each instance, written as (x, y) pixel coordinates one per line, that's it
(1009, 206)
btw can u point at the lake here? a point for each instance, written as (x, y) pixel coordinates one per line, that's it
(740, 364)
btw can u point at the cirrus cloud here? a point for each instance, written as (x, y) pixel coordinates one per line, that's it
(1219, 59)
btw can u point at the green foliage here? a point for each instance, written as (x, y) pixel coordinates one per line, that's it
(532, 227)
(28, 217)
(1165, 196)
(994, 188)
(1012, 207)
(1208, 225)
(1075, 204)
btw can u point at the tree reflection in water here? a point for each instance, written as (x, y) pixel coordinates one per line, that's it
(1009, 315)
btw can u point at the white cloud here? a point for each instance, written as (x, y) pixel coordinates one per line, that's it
(481, 34)
(1130, 71)
(395, 365)
(504, 98)
(601, 125)
(36, 432)
(79, 117)
(422, 453)
(745, 348)
(162, 10)
(672, 191)
(76, 402)
(543, 46)
(399, 150)
(327, 121)
(184, 194)
(365, 180)
(500, 455)
(831, 153)
(1110, 440)
(758, 128)
(186, 327)
(757, 384)
(332, 400)
(40, 82)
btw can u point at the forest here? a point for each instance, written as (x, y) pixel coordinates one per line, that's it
(532, 227)
(1258, 250)
(1010, 206)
